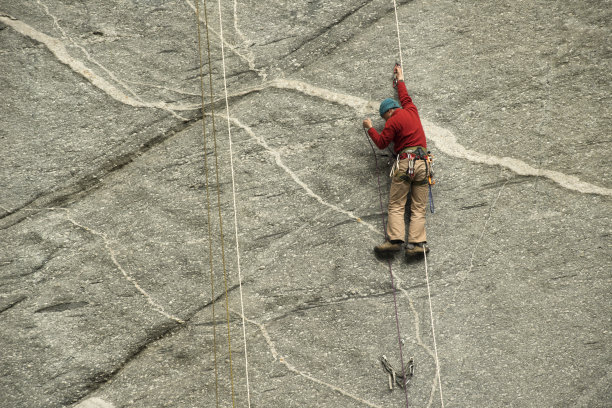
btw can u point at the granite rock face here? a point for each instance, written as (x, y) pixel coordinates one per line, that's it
(161, 247)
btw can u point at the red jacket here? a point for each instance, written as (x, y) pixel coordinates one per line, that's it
(403, 128)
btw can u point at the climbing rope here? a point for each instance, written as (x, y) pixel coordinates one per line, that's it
(221, 236)
(433, 330)
(399, 43)
(382, 210)
(231, 152)
(229, 338)
(210, 253)
(382, 214)
(215, 149)
(425, 255)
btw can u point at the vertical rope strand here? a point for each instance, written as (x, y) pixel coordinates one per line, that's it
(399, 43)
(212, 111)
(433, 331)
(399, 336)
(229, 134)
(210, 252)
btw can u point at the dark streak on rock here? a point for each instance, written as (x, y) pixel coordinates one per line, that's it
(278, 234)
(564, 277)
(267, 196)
(235, 74)
(369, 217)
(317, 303)
(44, 263)
(277, 40)
(12, 303)
(211, 324)
(88, 183)
(500, 183)
(322, 50)
(324, 30)
(159, 332)
(94, 382)
(62, 307)
(469, 207)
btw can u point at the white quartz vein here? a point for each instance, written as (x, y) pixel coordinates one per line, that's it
(294, 369)
(86, 53)
(158, 308)
(58, 49)
(279, 162)
(444, 140)
(94, 403)
(250, 60)
(236, 27)
(484, 227)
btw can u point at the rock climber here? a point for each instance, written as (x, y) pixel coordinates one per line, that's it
(410, 174)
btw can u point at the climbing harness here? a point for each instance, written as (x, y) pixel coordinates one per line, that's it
(401, 379)
(413, 154)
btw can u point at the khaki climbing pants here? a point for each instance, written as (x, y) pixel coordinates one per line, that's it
(396, 228)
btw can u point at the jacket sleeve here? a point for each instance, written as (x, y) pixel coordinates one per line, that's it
(404, 98)
(383, 139)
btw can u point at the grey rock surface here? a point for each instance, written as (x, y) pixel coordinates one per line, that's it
(146, 261)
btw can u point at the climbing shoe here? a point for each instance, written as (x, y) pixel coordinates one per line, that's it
(387, 247)
(415, 249)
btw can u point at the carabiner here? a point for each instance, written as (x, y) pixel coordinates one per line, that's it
(394, 77)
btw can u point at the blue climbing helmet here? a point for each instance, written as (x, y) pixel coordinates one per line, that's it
(387, 104)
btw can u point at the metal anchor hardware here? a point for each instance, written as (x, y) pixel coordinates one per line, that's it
(397, 377)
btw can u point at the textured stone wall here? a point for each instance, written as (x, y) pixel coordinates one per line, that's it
(146, 261)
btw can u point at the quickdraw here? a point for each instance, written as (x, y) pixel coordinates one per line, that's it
(410, 170)
(396, 377)
(430, 164)
(430, 180)
(413, 156)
